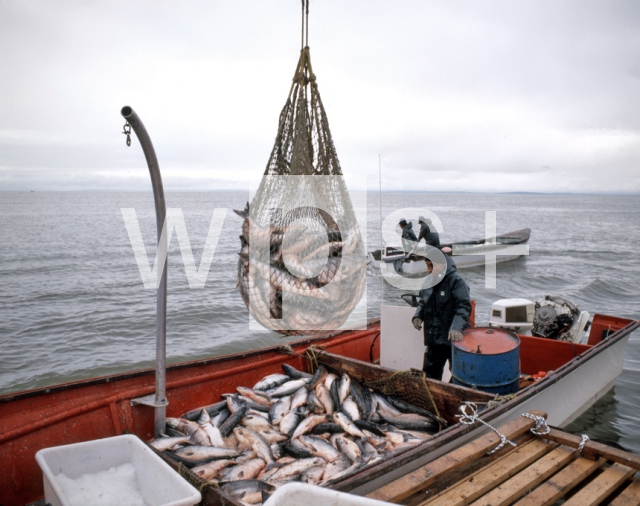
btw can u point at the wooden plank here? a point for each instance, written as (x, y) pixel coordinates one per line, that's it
(630, 496)
(561, 483)
(481, 482)
(600, 488)
(594, 450)
(525, 480)
(451, 478)
(424, 476)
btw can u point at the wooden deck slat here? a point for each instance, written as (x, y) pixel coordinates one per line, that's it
(561, 483)
(424, 476)
(525, 480)
(594, 450)
(484, 480)
(630, 496)
(600, 488)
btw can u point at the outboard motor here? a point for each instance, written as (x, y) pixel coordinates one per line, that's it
(558, 318)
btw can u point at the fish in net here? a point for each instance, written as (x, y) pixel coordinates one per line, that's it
(302, 265)
(410, 386)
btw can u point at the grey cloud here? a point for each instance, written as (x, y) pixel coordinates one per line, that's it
(456, 88)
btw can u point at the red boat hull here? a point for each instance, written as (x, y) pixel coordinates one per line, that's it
(99, 408)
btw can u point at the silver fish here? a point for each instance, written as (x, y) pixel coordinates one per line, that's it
(344, 472)
(313, 475)
(204, 418)
(195, 432)
(299, 398)
(232, 421)
(251, 439)
(233, 404)
(313, 403)
(293, 373)
(271, 381)
(343, 388)
(168, 443)
(335, 467)
(349, 448)
(289, 283)
(320, 448)
(289, 423)
(307, 424)
(246, 471)
(256, 422)
(382, 405)
(210, 470)
(350, 408)
(319, 376)
(261, 414)
(279, 409)
(277, 450)
(297, 467)
(343, 421)
(288, 388)
(330, 379)
(253, 405)
(411, 421)
(243, 489)
(324, 396)
(214, 435)
(194, 452)
(272, 436)
(255, 395)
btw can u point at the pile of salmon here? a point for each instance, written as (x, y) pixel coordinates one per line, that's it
(316, 429)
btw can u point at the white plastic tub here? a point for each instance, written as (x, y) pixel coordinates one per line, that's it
(158, 484)
(297, 494)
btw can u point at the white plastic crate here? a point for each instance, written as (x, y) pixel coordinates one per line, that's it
(158, 484)
(297, 494)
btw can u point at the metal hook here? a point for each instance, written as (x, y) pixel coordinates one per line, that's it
(127, 131)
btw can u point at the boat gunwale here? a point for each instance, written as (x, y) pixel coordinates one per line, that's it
(368, 474)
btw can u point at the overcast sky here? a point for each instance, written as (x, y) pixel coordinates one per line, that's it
(456, 95)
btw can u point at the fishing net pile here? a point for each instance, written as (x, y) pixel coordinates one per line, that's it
(302, 265)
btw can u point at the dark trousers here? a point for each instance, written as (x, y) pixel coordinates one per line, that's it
(434, 359)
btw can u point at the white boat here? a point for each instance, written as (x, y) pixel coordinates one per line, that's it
(465, 254)
(578, 373)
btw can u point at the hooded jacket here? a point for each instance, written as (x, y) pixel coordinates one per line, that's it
(431, 238)
(444, 307)
(408, 235)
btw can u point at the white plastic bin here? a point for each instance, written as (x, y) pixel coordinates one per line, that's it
(297, 494)
(158, 484)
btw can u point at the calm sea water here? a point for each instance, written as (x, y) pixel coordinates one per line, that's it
(72, 303)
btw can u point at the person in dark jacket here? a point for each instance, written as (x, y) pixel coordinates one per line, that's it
(428, 232)
(444, 309)
(408, 235)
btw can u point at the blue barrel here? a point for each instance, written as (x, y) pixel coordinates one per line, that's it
(487, 359)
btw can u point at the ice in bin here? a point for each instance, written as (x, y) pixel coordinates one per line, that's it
(158, 484)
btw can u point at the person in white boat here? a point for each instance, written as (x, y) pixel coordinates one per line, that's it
(409, 243)
(428, 232)
(408, 235)
(444, 310)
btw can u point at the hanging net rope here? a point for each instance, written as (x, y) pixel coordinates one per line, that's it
(302, 265)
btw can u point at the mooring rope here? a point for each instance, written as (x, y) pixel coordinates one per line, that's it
(585, 438)
(471, 418)
(540, 422)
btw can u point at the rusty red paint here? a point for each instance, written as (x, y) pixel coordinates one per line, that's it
(487, 341)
